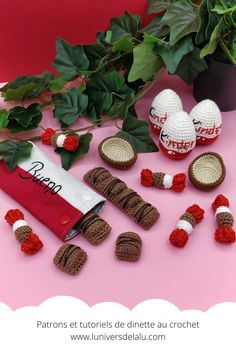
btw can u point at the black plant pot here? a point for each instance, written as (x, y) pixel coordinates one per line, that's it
(217, 83)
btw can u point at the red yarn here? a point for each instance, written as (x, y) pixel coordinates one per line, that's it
(225, 234)
(179, 182)
(146, 177)
(13, 215)
(179, 238)
(71, 143)
(220, 200)
(196, 211)
(173, 154)
(32, 245)
(47, 136)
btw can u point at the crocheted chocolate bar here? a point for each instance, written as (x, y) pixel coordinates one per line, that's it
(123, 197)
(70, 258)
(128, 247)
(94, 228)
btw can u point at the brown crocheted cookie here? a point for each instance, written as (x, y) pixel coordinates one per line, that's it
(128, 247)
(123, 197)
(70, 258)
(207, 171)
(94, 228)
(117, 152)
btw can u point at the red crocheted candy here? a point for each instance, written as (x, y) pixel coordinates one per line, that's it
(13, 215)
(178, 183)
(179, 238)
(146, 177)
(47, 136)
(32, 245)
(196, 211)
(225, 234)
(220, 200)
(71, 143)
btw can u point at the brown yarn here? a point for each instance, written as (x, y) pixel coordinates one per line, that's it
(22, 232)
(70, 258)
(94, 228)
(128, 247)
(158, 178)
(123, 197)
(225, 219)
(189, 218)
(54, 139)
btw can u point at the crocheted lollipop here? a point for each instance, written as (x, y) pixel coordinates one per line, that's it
(67, 142)
(164, 104)
(178, 136)
(207, 119)
(30, 242)
(192, 216)
(162, 180)
(225, 220)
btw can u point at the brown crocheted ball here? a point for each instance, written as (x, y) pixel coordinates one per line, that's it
(70, 259)
(22, 232)
(128, 247)
(224, 219)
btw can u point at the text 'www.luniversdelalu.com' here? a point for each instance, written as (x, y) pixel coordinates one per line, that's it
(118, 337)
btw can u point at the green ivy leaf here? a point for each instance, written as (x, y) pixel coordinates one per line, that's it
(172, 55)
(68, 158)
(4, 118)
(69, 105)
(211, 46)
(156, 28)
(26, 86)
(203, 21)
(124, 25)
(12, 153)
(120, 108)
(137, 133)
(101, 39)
(157, 6)
(213, 19)
(101, 91)
(146, 63)
(190, 66)
(70, 59)
(182, 20)
(57, 84)
(95, 53)
(23, 119)
(123, 45)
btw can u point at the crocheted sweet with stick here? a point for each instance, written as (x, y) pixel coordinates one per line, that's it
(192, 216)
(162, 180)
(30, 242)
(67, 142)
(225, 220)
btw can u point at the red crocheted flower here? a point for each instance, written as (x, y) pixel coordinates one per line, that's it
(179, 238)
(146, 177)
(13, 215)
(197, 212)
(47, 136)
(179, 182)
(32, 245)
(220, 200)
(71, 143)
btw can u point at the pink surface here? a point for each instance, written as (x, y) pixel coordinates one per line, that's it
(198, 276)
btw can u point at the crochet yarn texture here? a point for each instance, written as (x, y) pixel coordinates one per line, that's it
(162, 180)
(225, 220)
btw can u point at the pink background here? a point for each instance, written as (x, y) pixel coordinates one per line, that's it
(198, 276)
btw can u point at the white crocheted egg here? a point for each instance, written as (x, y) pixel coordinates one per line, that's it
(178, 136)
(164, 104)
(207, 119)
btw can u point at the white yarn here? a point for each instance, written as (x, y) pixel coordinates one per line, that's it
(167, 181)
(60, 140)
(19, 223)
(222, 209)
(185, 225)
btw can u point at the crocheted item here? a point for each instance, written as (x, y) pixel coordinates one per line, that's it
(207, 119)
(225, 220)
(128, 247)
(123, 197)
(178, 136)
(30, 243)
(164, 104)
(193, 215)
(94, 228)
(70, 259)
(162, 180)
(117, 152)
(207, 171)
(67, 142)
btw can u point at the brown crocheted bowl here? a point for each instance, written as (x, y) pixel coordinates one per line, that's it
(207, 171)
(117, 152)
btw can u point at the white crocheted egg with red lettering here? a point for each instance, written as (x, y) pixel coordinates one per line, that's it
(164, 104)
(178, 136)
(207, 119)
